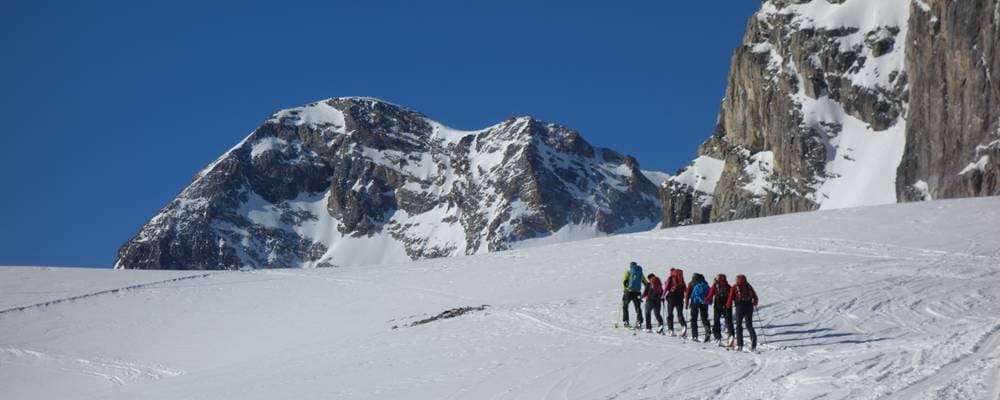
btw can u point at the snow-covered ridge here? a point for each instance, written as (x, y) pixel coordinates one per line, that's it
(702, 175)
(318, 113)
(658, 178)
(823, 14)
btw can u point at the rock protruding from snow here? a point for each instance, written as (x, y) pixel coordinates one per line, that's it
(358, 181)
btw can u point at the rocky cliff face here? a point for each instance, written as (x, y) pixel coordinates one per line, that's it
(356, 181)
(953, 124)
(840, 103)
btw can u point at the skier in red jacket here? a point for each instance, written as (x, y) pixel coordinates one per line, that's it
(674, 292)
(745, 299)
(717, 297)
(654, 296)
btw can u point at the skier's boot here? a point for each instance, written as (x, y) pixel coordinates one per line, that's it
(671, 333)
(684, 333)
(660, 330)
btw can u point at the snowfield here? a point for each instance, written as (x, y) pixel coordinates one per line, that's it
(896, 301)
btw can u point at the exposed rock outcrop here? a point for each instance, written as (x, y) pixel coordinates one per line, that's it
(953, 125)
(803, 93)
(848, 103)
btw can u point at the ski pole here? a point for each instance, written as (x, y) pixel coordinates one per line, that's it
(760, 322)
(619, 314)
(621, 310)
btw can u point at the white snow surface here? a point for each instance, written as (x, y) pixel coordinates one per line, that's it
(658, 178)
(703, 174)
(318, 113)
(921, 187)
(861, 162)
(760, 168)
(979, 165)
(894, 301)
(266, 144)
(342, 249)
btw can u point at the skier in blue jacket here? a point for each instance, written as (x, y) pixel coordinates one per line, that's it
(697, 292)
(633, 283)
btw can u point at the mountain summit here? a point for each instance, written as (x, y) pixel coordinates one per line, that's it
(358, 181)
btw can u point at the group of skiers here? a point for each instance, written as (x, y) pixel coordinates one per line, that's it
(697, 296)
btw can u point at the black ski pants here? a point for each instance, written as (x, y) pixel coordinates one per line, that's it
(744, 314)
(653, 306)
(699, 311)
(631, 297)
(720, 312)
(675, 302)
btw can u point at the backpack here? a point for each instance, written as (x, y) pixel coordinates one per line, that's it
(721, 293)
(676, 285)
(635, 278)
(698, 293)
(744, 294)
(654, 287)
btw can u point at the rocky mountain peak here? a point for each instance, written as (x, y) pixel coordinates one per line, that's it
(358, 181)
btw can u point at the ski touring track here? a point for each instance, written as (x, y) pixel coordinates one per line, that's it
(102, 292)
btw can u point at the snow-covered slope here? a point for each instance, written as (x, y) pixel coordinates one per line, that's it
(895, 301)
(359, 181)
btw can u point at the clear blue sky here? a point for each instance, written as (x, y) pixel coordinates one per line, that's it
(110, 107)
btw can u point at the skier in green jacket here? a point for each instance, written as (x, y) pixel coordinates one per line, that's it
(632, 285)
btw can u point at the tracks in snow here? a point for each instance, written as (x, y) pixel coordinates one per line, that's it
(824, 246)
(118, 372)
(947, 381)
(102, 292)
(879, 297)
(678, 366)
